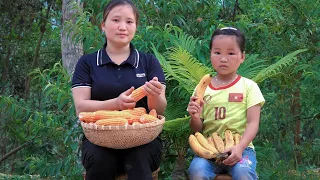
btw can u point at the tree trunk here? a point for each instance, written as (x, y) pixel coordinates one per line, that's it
(42, 25)
(71, 51)
(5, 71)
(296, 112)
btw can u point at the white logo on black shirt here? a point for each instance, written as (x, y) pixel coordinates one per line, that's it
(141, 75)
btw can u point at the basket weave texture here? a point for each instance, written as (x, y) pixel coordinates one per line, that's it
(123, 137)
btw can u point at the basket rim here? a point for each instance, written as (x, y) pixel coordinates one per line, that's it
(125, 127)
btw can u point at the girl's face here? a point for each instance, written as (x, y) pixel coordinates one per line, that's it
(226, 55)
(120, 25)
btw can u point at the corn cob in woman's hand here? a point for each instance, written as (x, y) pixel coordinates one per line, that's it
(138, 94)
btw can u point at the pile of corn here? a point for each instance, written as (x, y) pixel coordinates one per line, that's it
(134, 116)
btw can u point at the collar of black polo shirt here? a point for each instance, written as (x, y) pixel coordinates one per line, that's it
(103, 58)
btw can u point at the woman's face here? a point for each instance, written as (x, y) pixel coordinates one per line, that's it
(226, 55)
(120, 25)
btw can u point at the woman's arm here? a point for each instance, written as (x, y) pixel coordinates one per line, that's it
(156, 95)
(83, 102)
(159, 103)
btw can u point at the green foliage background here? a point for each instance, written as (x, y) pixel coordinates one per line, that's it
(283, 45)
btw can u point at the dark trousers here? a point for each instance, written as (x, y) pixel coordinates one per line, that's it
(105, 163)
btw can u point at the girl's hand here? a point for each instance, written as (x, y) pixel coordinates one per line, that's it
(236, 155)
(124, 101)
(195, 109)
(153, 87)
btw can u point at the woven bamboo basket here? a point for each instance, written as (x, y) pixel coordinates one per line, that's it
(123, 137)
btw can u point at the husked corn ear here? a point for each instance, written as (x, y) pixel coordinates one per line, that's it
(133, 119)
(112, 122)
(135, 123)
(147, 118)
(104, 114)
(136, 111)
(138, 94)
(228, 138)
(153, 113)
(87, 117)
(218, 142)
(237, 138)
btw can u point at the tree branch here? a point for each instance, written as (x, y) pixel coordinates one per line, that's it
(15, 151)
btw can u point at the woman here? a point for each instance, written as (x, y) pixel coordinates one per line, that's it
(104, 80)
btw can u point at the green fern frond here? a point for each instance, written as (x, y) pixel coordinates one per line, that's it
(184, 41)
(251, 66)
(176, 124)
(277, 67)
(181, 66)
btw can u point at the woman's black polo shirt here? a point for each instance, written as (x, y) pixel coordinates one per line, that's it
(108, 80)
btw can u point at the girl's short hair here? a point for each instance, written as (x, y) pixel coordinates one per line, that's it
(114, 3)
(230, 31)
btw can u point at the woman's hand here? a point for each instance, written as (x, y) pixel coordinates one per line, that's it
(195, 109)
(124, 101)
(153, 87)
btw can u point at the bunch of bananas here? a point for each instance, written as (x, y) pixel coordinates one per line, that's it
(213, 146)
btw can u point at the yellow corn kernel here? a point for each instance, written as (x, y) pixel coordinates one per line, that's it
(112, 122)
(133, 119)
(136, 123)
(87, 117)
(147, 118)
(136, 111)
(138, 94)
(153, 113)
(105, 114)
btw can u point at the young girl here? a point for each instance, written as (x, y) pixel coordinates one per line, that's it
(104, 80)
(234, 104)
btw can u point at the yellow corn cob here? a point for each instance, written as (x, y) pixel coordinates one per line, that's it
(104, 114)
(112, 122)
(237, 138)
(153, 113)
(218, 142)
(147, 118)
(136, 111)
(87, 117)
(228, 138)
(138, 94)
(133, 119)
(135, 123)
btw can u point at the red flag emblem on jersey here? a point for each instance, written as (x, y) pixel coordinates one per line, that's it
(235, 97)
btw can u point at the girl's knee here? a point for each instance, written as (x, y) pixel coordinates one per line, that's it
(244, 173)
(200, 169)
